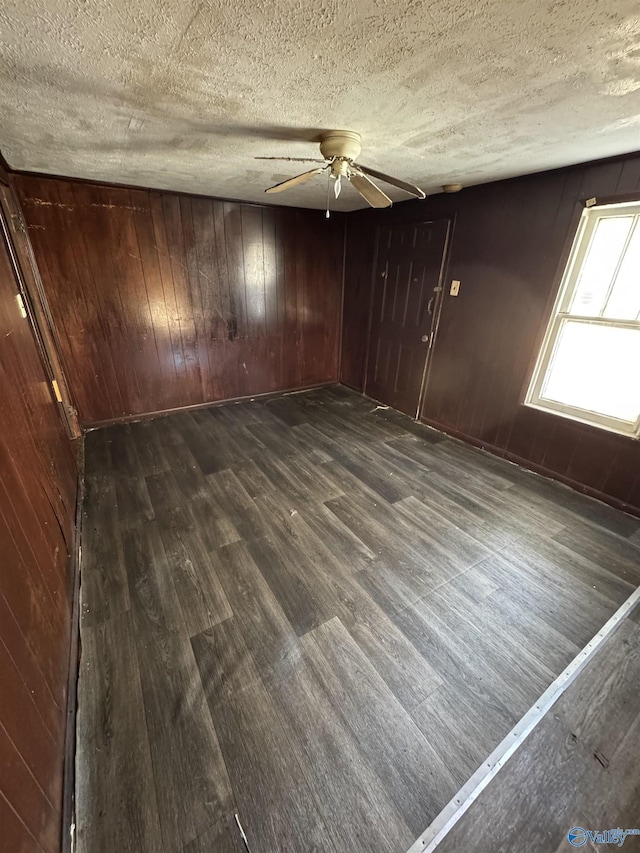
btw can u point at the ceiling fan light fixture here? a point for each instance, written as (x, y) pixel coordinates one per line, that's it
(340, 148)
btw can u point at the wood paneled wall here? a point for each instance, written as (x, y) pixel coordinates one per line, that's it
(37, 507)
(510, 239)
(360, 237)
(162, 301)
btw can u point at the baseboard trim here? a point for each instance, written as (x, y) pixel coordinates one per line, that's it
(69, 775)
(160, 413)
(532, 466)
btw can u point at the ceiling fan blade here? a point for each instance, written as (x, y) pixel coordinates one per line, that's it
(395, 182)
(369, 191)
(292, 182)
(293, 159)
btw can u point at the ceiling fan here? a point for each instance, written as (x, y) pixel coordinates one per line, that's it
(340, 148)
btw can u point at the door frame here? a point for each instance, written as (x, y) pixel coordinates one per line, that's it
(437, 307)
(13, 229)
(437, 311)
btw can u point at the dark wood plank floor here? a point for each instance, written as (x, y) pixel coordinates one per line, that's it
(579, 767)
(320, 615)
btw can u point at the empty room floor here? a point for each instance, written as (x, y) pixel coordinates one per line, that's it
(579, 767)
(319, 615)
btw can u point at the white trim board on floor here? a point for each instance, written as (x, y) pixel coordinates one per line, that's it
(471, 790)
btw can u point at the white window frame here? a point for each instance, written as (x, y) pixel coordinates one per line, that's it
(560, 314)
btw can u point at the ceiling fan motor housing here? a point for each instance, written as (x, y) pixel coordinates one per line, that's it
(340, 143)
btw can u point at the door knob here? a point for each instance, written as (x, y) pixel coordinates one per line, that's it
(425, 338)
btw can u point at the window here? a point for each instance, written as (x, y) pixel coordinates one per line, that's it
(589, 366)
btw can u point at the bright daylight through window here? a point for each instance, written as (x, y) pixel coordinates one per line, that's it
(589, 366)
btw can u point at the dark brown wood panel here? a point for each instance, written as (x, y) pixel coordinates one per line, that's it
(37, 507)
(357, 298)
(162, 301)
(509, 243)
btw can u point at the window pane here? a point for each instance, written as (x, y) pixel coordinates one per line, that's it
(595, 367)
(624, 302)
(600, 264)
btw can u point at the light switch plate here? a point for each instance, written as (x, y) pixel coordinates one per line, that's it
(455, 287)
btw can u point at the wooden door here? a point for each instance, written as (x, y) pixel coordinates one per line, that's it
(407, 295)
(37, 510)
(35, 303)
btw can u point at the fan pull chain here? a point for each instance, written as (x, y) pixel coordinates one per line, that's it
(328, 214)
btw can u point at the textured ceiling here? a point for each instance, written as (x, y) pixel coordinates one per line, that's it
(184, 95)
